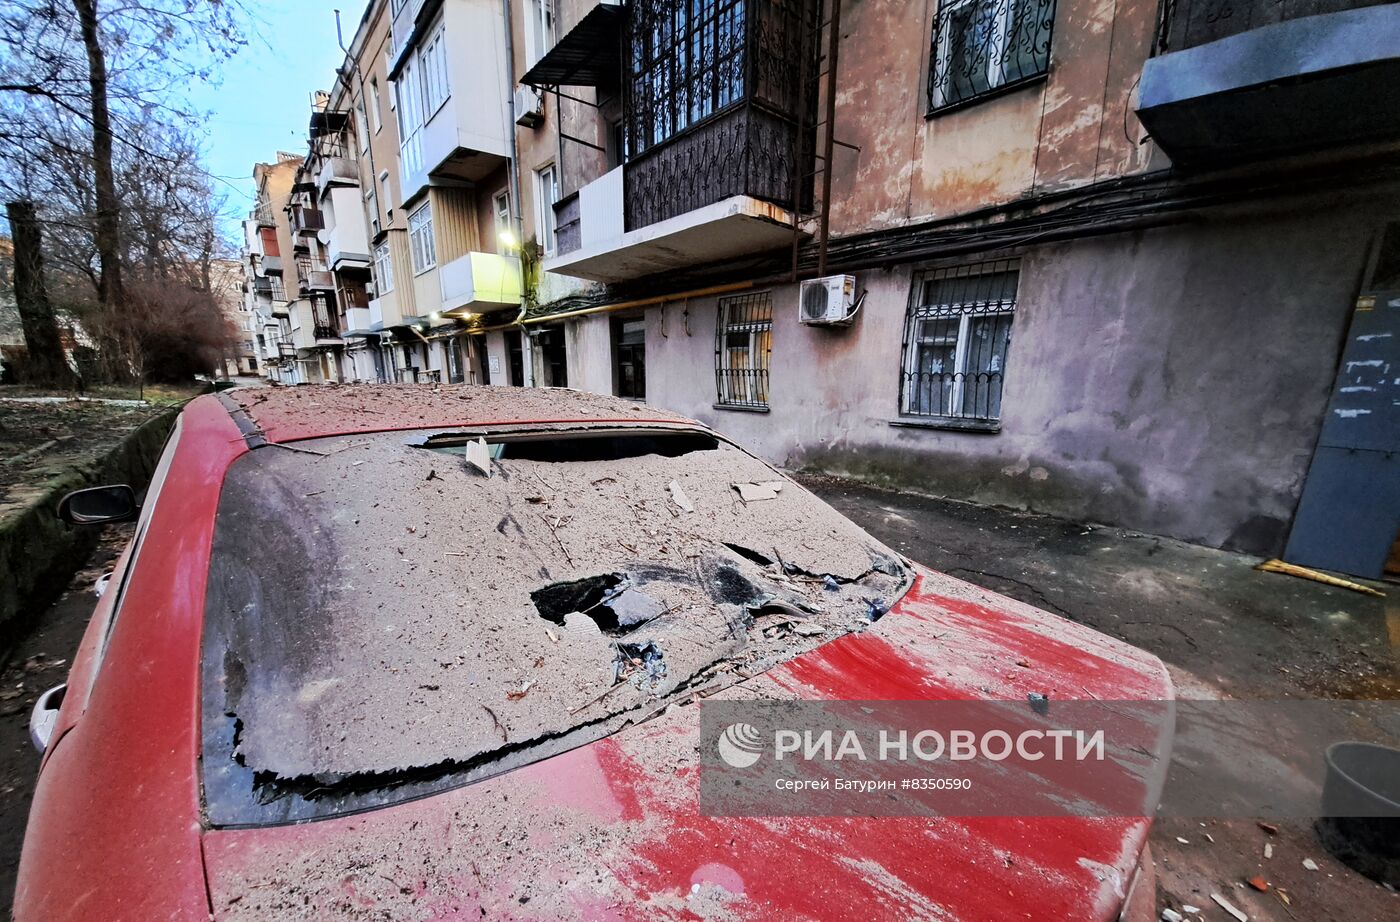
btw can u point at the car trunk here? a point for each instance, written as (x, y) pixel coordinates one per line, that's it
(613, 829)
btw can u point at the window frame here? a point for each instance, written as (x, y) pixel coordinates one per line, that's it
(755, 375)
(433, 77)
(1001, 50)
(501, 218)
(544, 208)
(422, 243)
(376, 105)
(635, 357)
(383, 269)
(921, 311)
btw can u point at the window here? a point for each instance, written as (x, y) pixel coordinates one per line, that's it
(980, 46)
(383, 269)
(630, 351)
(376, 113)
(542, 28)
(420, 238)
(743, 343)
(546, 194)
(500, 207)
(956, 339)
(361, 126)
(432, 71)
(685, 61)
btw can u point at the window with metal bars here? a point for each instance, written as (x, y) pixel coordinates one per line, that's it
(982, 46)
(686, 62)
(956, 339)
(743, 344)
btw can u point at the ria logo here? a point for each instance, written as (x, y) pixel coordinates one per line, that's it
(740, 745)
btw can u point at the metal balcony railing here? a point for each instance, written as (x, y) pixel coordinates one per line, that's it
(1188, 23)
(715, 102)
(307, 220)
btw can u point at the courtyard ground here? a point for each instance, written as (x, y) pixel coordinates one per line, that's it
(1222, 627)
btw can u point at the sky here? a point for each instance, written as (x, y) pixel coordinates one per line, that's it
(263, 101)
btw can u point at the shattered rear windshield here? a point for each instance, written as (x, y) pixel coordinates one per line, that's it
(394, 614)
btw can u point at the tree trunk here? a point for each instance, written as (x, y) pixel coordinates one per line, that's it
(107, 225)
(46, 364)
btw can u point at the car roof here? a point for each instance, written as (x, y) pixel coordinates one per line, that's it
(306, 411)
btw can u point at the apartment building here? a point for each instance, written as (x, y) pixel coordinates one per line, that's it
(1092, 259)
(1108, 261)
(267, 236)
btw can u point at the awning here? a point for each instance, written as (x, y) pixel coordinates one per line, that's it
(589, 55)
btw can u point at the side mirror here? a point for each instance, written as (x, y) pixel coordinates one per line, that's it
(45, 717)
(99, 505)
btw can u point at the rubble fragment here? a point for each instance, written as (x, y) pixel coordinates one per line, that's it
(1229, 907)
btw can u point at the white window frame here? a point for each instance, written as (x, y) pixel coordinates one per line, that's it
(542, 28)
(432, 70)
(1005, 12)
(922, 315)
(361, 126)
(500, 208)
(546, 194)
(750, 388)
(383, 269)
(422, 245)
(376, 105)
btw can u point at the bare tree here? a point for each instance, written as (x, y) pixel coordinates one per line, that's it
(45, 363)
(92, 129)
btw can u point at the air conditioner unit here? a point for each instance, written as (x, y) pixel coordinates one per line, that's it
(529, 107)
(829, 301)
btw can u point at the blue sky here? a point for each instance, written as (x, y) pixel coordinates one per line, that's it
(263, 101)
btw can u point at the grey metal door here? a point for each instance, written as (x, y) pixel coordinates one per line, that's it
(1349, 512)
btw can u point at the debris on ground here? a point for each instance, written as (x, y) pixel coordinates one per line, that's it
(1309, 864)
(1258, 883)
(1229, 907)
(1270, 828)
(1171, 915)
(1317, 576)
(1040, 703)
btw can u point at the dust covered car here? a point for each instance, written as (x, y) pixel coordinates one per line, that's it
(435, 652)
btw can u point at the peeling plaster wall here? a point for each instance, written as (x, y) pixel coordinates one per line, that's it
(1170, 380)
(1074, 127)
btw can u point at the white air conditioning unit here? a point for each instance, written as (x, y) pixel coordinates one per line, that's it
(529, 106)
(829, 301)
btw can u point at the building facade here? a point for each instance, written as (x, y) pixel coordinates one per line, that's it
(1097, 260)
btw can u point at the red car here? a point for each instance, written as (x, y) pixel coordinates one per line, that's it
(426, 653)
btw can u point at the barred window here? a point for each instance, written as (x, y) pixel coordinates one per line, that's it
(980, 46)
(956, 339)
(743, 343)
(685, 62)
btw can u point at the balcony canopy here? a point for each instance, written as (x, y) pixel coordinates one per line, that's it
(589, 55)
(327, 122)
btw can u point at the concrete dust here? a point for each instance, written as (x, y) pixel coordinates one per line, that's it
(409, 631)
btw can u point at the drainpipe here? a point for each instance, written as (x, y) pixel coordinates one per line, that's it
(369, 148)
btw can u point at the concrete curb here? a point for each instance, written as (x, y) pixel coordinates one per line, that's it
(39, 553)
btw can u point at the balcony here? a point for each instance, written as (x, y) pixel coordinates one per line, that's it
(479, 281)
(270, 264)
(607, 252)
(307, 221)
(337, 169)
(1239, 80)
(358, 322)
(720, 163)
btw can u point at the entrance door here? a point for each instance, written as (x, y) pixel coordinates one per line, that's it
(516, 357)
(553, 357)
(1349, 514)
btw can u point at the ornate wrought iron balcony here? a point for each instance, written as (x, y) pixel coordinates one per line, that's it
(1188, 23)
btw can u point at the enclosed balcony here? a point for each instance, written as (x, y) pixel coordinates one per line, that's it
(1237, 80)
(718, 130)
(477, 282)
(307, 221)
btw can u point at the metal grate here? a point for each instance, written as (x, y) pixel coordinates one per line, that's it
(743, 345)
(956, 339)
(982, 46)
(685, 62)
